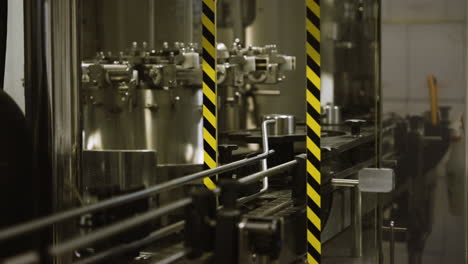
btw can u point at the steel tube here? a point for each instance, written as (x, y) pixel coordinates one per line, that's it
(123, 249)
(345, 182)
(264, 164)
(30, 257)
(265, 149)
(357, 222)
(173, 258)
(392, 242)
(269, 172)
(117, 228)
(28, 227)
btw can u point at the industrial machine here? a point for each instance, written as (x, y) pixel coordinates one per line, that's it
(136, 146)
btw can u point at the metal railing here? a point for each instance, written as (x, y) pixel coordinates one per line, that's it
(44, 222)
(127, 224)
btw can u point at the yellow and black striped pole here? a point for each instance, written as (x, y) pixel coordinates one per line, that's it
(210, 112)
(314, 225)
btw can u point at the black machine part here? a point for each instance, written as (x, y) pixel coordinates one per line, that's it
(264, 236)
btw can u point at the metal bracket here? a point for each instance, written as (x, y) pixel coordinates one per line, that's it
(372, 180)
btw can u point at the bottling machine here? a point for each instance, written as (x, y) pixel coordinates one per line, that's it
(129, 136)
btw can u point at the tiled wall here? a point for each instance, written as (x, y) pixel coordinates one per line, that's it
(419, 38)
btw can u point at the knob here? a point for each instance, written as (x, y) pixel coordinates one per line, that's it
(355, 125)
(225, 152)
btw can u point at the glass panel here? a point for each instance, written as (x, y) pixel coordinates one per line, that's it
(349, 90)
(261, 75)
(424, 84)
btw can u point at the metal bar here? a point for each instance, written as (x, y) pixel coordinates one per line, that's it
(392, 243)
(269, 172)
(173, 258)
(265, 149)
(357, 222)
(345, 182)
(395, 229)
(117, 228)
(28, 227)
(123, 249)
(267, 92)
(24, 258)
(264, 164)
(238, 28)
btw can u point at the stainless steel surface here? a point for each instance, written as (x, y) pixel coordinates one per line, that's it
(124, 169)
(284, 125)
(272, 24)
(62, 38)
(41, 223)
(112, 25)
(239, 70)
(332, 115)
(145, 100)
(376, 180)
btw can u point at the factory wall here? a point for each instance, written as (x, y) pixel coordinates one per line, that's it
(419, 38)
(14, 65)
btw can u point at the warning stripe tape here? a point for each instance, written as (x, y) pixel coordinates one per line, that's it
(210, 112)
(314, 225)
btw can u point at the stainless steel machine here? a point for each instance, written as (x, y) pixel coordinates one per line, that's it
(144, 100)
(238, 70)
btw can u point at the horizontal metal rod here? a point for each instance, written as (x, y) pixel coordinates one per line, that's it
(116, 228)
(396, 229)
(173, 258)
(41, 223)
(345, 182)
(126, 248)
(269, 172)
(31, 257)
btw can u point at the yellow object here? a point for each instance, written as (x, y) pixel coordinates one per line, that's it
(433, 94)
